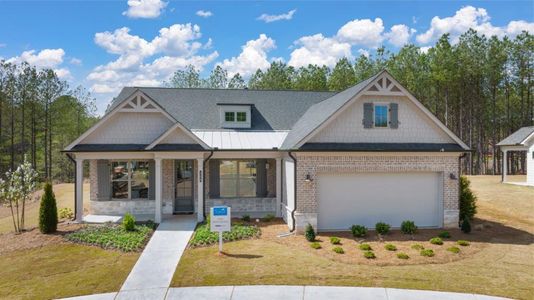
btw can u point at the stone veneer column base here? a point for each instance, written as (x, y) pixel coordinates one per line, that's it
(451, 218)
(302, 219)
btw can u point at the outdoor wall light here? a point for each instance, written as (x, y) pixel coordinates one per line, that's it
(308, 178)
(452, 176)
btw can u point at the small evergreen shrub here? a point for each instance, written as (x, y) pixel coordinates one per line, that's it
(365, 247)
(369, 254)
(335, 240)
(444, 235)
(309, 233)
(128, 222)
(245, 218)
(402, 255)
(268, 217)
(468, 206)
(466, 226)
(427, 252)
(390, 247)
(463, 243)
(436, 241)
(338, 250)
(358, 230)
(382, 228)
(417, 247)
(315, 245)
(66, 213)
(48, 211)
(453, 249)
(408, 227)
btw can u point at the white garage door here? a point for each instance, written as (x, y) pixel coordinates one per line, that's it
(368, 198)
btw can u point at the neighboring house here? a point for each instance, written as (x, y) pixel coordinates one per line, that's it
(367, 154)
(521, 140)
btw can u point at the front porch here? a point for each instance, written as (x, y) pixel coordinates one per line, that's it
(529, 178)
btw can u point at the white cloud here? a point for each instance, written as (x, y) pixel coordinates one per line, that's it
(399, 35)
(363, 52)
(273, 18)
(470, 17)
(146, 9)
(178, 39)
(204, 13)
(424, 49)
(362, 32)
(44, 59)
(319, 50)
(75, 61)
(252, 57)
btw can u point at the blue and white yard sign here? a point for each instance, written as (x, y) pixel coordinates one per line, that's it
(220, 218)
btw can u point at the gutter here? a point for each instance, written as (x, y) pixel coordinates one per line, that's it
(75, 185)
(295, 187)
(204, 184)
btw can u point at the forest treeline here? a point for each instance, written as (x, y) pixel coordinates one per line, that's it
(480, 87)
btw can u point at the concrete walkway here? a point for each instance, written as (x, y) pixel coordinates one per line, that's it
(269, 292)
(153, 271)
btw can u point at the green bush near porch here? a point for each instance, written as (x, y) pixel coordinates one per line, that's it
(112, 237)
(204, 237)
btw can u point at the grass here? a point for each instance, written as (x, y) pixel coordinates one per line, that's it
(502, 267)
(112, 237)
(64, 197)
(62, 270)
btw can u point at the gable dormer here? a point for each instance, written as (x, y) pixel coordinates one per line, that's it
(236, 116)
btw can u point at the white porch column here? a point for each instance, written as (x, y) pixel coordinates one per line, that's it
(79, 190)
(200, 189)
(504, 165)
(159, 189)
(278, 187)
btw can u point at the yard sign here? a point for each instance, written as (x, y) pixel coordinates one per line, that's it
(220, 221)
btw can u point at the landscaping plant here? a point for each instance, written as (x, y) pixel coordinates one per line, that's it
(408, 227)
(436, 241)
(315, 245)
(444, 235)
(245, 218)
(417, 247)
(427, 252)
(112, 237)
(466, 226)
(335, 240)
(268, 217)
(66, 213)
(204, 237)
(462, 243)
(48, 211)
(338, 250)
(128, 222)
(453, 249)
(309, 233)
(402, 255)
(365, 247)
(390, 247)
(369, 254)
(468, 206)
(358, 230)
(382, 228)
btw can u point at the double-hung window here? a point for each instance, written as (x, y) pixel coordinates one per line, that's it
(237, 178)
(381, 115)
(129, 179)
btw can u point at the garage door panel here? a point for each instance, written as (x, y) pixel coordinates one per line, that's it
(368, 198)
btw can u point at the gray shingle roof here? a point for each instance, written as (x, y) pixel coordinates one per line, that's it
(320, 112)
(198, 109)
(517, 137)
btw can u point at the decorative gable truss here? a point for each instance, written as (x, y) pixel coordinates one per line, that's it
(139, 103)
(384, 85)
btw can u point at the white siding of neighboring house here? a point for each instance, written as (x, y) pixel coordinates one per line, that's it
(130, 128)
(530, 163)
(414, 125)
(178, 136)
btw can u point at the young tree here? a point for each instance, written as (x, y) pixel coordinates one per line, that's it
(311, 78)
(236, 82)
(218, 78)
(342, 76)
(48, 211)
(186, 78)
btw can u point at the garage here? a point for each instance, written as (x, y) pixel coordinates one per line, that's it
(367, 198)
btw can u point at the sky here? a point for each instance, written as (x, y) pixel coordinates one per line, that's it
(106, 45)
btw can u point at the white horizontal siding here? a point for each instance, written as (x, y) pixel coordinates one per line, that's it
(178, 136)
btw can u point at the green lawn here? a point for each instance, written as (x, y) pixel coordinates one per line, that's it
(504, 266)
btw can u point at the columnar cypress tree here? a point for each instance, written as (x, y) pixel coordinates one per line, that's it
(48, 211)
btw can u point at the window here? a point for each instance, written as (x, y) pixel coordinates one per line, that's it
(241, 116)
(229, 116)
(129, 179)
(237, 178)
(235, 115)
(381, 115)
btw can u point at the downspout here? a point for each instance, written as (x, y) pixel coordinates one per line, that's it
(75, 185)
(204, 184)
(295, 192)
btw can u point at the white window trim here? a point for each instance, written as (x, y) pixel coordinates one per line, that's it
(238, 177)
(235, 109)
(387, 114)
(129, 180)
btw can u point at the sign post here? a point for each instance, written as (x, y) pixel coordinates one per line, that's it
(220, 222)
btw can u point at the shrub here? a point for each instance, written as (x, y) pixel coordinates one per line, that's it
(382, 228)
(463, 243)
(454, 249)
(390, 247)
(468, 206)
(338, 250)
(427, 252)
(315, 245)
(335, 240)
(365, 247)
(128, 222)
(203, 236)
(402, 255)
(466, 226)
(358, 230)
(245, 218)
(66, 213)
(417, 247)
(48, 211)
(150, 224)
(268, 217)
(309, 233)
(408, 227)
(369, 254)
(436, 241)
(112, 237)
(444, 235)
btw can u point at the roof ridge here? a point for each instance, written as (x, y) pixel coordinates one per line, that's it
(232, 89)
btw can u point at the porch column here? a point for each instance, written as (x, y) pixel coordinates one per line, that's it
(158, 193)
(200, 190)
(278, 187)
(79, 190)
(504, 165)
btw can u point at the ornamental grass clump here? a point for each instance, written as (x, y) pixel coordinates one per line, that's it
(453, 249)
(338, 250)
(335, 240)
(315, 245)
(402, 255)
(417, 247)
(369, 254)
(436, 241)
(427, 252)
(390, 247)
(365, 247)
(463, 243)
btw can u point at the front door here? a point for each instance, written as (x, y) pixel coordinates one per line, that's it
(183, 202)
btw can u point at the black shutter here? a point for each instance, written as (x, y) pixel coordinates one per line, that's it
(214, 178)
(368, 115)
(394, 115)
(103, 180)
(261, 178)
(151, 180)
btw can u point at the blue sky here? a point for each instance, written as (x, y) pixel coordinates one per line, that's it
(105, 45)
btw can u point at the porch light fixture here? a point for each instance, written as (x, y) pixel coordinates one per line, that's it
(452, 176)
(308, 178)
